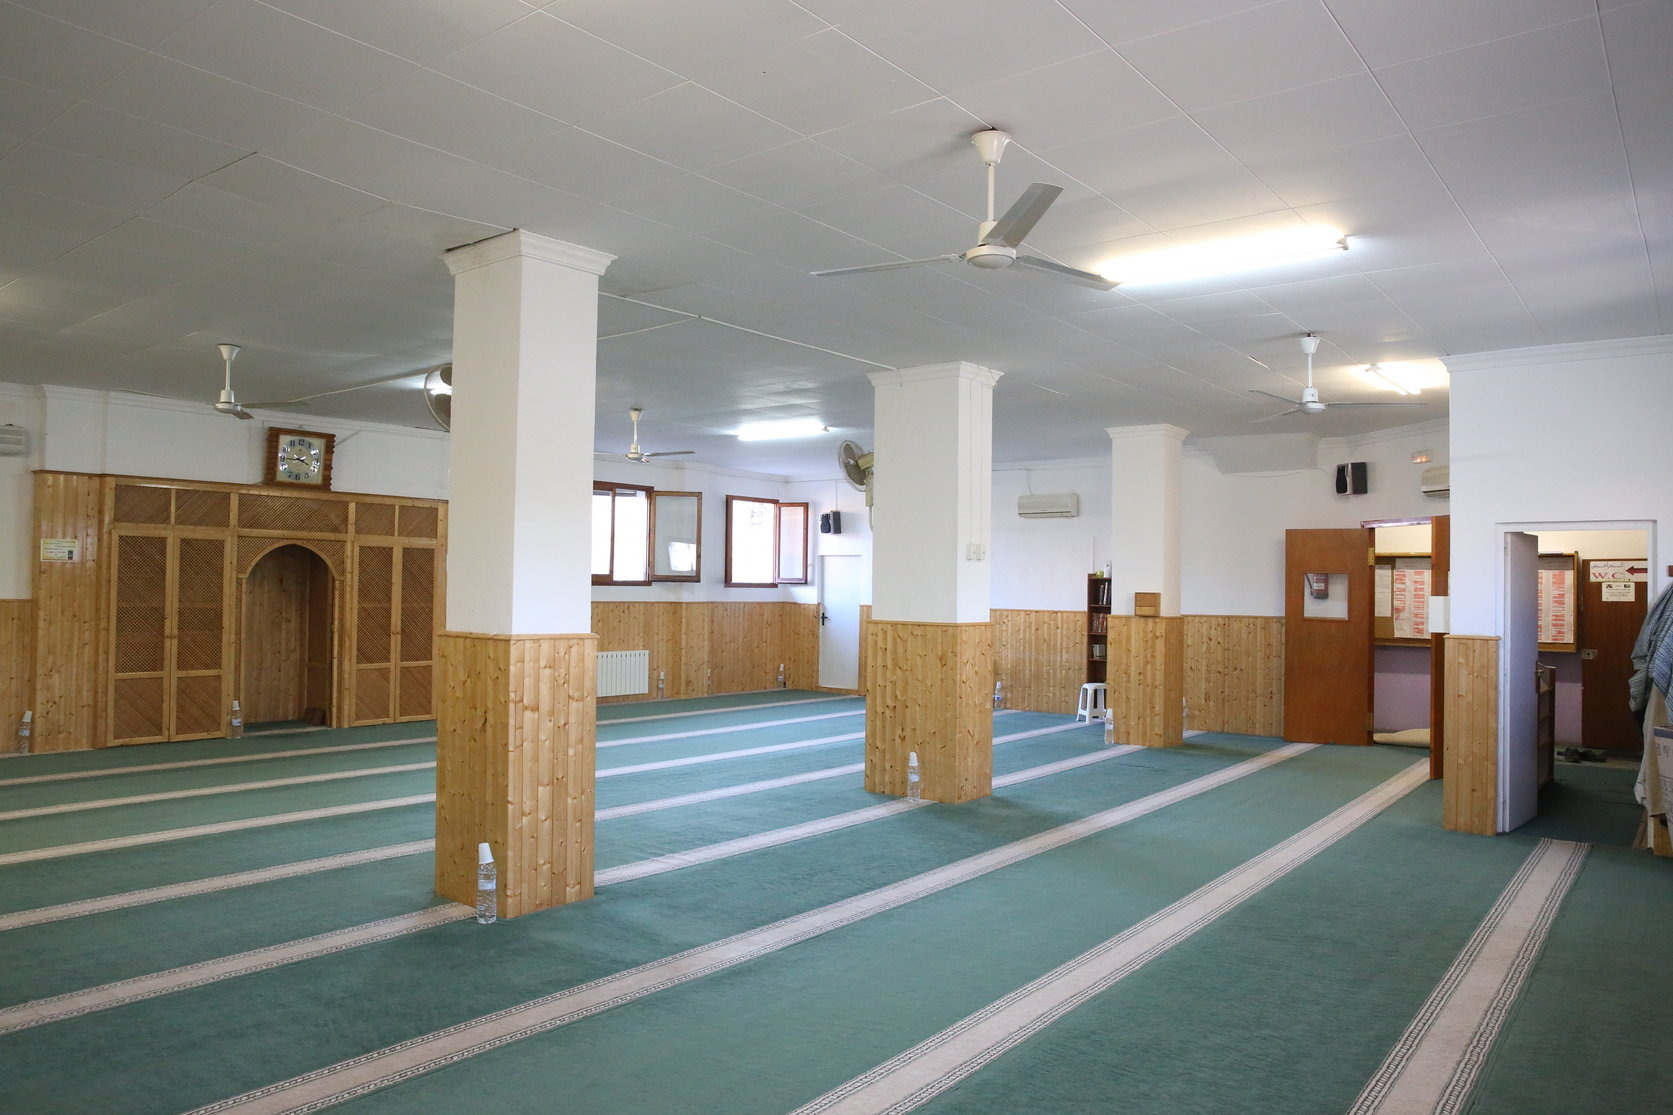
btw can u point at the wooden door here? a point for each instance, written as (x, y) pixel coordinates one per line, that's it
(169, 668)
(202, 697)
(1611, 613)
(395, 609)
(1327, 636)
(139, 683)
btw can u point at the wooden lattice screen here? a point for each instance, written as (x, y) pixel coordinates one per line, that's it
(202, 699)
(139, 689)
(417, 645)
(374, 632)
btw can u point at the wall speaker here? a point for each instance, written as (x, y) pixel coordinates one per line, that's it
(830, 522)
(1351, 479)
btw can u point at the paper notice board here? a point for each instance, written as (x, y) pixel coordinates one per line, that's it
(1409, 598)
(1558, 583)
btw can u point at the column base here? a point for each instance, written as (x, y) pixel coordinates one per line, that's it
(1146, 687)
(929, 689)
(516, 733)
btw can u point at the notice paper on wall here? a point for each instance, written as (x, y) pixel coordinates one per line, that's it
(1556, 598)
(1384, 580)
(1409, 589)
(60, 549)
(1620, 591)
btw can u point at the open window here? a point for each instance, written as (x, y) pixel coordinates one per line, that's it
(676, 536)
(766, 542)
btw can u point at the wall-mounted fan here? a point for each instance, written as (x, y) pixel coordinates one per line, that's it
(857, 466)
(438, 394)
(1310, 403)
(997, 241)
(634, 453)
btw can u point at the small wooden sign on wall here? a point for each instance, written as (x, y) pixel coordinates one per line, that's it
(1147, 603)
(60, 549)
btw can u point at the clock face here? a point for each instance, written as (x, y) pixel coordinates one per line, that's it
(301, 460)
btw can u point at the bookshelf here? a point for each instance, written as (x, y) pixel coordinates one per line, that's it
(1097, 628)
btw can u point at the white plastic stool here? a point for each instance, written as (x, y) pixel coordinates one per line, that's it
(1091, 704)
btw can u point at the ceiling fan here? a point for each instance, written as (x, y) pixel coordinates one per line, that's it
(634, 453)
(997, 241)
(228, 402)
(1310, 403)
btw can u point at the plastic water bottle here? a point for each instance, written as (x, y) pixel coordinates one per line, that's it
(235, 725)
(487, 886)
(914, 779)
(25, 731)
(1109, 729)
(781, 675)
(998, 695)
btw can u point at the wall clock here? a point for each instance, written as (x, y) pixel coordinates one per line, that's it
(299, 457)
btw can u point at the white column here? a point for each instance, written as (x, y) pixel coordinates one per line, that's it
(932, 504)
(524, 367)
(1144, 515)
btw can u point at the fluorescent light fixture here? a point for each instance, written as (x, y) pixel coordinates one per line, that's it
(1217, 257)
(790, 427)
(1375, 372)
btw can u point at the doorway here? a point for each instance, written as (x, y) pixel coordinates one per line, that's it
(285, 645)
(842, 583)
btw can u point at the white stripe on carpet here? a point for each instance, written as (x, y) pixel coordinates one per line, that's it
(40, 1011)
(932, 1066)
(205, 791)
(347, 1079)
(731, 728)
(212, 762)
(66, 910)
(83, 907)
(728, 708)
(163, 837)
(1434, 1065)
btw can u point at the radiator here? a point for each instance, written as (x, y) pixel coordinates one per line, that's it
(622, 672)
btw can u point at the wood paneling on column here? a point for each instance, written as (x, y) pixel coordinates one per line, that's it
(1041, 658)
(1470, 788)
(515, 766)
(17, 664)
(929, 689)
(69, 616)
(1146, 678)
(1234, 674)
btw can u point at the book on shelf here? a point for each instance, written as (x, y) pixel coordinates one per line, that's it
(1100, 623)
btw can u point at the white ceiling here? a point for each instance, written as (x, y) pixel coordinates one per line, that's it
(285, 174)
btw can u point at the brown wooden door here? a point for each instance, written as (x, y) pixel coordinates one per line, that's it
(1327, 636)
(1609, 622)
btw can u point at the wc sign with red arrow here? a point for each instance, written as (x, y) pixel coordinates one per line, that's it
(1618, 571)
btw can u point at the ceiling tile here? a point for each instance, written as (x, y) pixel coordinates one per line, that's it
(25, 109)
(1093, 94)
(692, 128)
(521, 63)
(802, 173)
(143, 23)
(1505, 75)
(823, 81)
(37, 166)
(420, 30)
(55, 55)
(1636, 40)
(55, 213)
(694, 204)
(900, 220)
(954, 44)
(260, 46)
(692, 39)
(585, 164)
(1121, 23)
(1160, 154)
(153, 238)
(190, 99)
(1393, 165)
(440, 112)
(801, 242)
(1202, 199)
(1335, 113)
(202, 209)
(104, 133)
(1385, 34)
(394, 240)
(287, 188)
(924, 139)
(1253, 53)
(494, 197)
(364, 158)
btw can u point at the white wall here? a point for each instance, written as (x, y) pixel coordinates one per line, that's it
(1568, 435)
(1044, 563)
(832, 494)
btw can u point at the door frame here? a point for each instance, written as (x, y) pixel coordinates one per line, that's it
(861, 567)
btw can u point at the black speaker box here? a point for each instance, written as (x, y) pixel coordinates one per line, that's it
(1351, 479)
(830, 522)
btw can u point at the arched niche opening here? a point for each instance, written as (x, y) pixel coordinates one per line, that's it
(286, 641)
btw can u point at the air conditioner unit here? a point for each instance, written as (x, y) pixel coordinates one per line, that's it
(1436, 482)
(1053, 505)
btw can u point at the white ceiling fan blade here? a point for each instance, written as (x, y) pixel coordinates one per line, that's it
(669, 453)
(1372, 404)
(1280, 398)
(1071, 274)
(1025, 212)
(887, 266)
(1280, 414)
(300, 399)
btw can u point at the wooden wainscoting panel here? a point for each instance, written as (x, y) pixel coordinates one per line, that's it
(743, 646)
(1146, 692)
(930, 690)
(1234, 674)
(865, 639)
(71, 627)
(1041, 658)
(515, 753)
(1470, 785)
(17, 665)
(798, 643)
